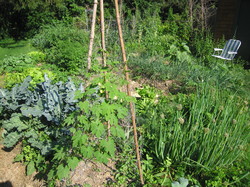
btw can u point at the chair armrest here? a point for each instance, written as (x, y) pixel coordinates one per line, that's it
(231, 53)
(217, 49)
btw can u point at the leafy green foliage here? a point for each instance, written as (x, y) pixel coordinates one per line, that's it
(182, 182)
(36, 73)
(88, 130)
(47, 100)
(61, 129)
(19, 63)
(64, 46)
(199, 135)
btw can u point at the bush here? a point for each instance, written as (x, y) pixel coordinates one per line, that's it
(64, 46)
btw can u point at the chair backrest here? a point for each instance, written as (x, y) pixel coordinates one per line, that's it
(231, 46)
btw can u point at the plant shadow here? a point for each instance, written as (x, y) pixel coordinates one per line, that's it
(6, 184)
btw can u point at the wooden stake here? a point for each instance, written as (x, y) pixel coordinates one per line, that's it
(104, 51)
(92, 35)
(132, 110)
(103, 34)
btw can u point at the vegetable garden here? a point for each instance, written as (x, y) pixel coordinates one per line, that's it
(191, 110)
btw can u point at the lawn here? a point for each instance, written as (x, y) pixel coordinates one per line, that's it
(10, 47)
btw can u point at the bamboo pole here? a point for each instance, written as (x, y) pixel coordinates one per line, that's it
(104, 64)
(103, 34)
(132, 110)
(92, 35)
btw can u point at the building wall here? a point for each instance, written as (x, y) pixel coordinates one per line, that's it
(233, 21)
(243, 29)
(226, 18)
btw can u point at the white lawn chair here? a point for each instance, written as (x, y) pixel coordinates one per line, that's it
(229, 51)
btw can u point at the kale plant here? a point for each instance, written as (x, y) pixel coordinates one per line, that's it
(50, 103)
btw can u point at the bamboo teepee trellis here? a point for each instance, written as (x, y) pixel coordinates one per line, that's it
(92, 34)
(132, 110)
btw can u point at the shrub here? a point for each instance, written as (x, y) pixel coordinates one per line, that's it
(64, 46)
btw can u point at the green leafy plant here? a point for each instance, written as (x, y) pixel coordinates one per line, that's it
(182, 182)
(16, 63)
(63, 45)
(88, 130)
(47, 100)
(37, 56)
(59, 127)
(36, 73)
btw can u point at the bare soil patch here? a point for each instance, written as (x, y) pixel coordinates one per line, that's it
(86, 173)
(14, 174)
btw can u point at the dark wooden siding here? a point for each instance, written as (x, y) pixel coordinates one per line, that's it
(226, 18)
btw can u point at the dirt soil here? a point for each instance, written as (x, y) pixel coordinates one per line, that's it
(13, 174)
(86, 173)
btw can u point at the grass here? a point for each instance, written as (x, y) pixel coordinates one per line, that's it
(10, 47)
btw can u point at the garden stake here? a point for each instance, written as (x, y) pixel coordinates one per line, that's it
(103, 34)
(128, 91)
(104, 51)
(92, 35)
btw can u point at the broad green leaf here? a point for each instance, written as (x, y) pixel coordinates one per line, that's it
(51, 174)
(72, 130)
(11, 139)
(73, 162)
(90, 91)
(21, 127)
(18, 158)
(62, 172)
(117, 131)
(83, 151)
(121, 111)
(69, 120)
(82, 119)
(60, 154)
(77, 138)
(84, 139)
(31, 111)
(13, 122)
(113, 119)
(87, 152)
(109, 146)
(103, 158)
(84, 106)
(30, 168)
(97, 128)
